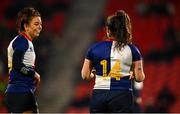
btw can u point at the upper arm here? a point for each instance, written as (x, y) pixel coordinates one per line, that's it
(137, 63)
(138, 70)
(86, 69)
(20, 46)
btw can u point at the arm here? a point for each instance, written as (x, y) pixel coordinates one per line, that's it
(86, 71)
(18, 64)
(37, 78)
(138, 71)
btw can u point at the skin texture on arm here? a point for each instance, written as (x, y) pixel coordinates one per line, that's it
(139, 75)
(87, 73)
(37, 78)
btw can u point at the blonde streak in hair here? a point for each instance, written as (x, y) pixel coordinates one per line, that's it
(129, 28)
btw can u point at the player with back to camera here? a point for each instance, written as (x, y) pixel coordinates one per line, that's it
(19, 95)
(111, 62)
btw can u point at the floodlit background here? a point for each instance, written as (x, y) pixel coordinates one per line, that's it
(71, 26)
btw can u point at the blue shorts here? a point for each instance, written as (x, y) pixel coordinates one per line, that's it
(111, 101)
(20, 102)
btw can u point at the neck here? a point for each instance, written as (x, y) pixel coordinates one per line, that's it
(111, 39)
(26, 35)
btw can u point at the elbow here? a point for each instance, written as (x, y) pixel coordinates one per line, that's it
(140, 78)
(17, 65)
(83, 75)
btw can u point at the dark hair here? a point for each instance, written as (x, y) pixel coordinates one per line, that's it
(120, 26)
(25, 16)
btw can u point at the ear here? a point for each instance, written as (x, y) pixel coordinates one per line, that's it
(26, 28)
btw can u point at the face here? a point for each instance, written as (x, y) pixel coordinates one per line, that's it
(34, 28)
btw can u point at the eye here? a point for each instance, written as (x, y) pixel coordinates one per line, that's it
(37, 23)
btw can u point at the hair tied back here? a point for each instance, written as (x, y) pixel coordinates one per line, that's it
(119, 13)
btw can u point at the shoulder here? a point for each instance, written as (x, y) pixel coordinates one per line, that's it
(135, 52)
(101, 44)
(20, 43)
(20, 39)
(133, 47)
(97, 48)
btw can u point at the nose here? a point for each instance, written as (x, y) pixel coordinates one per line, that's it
(40, 27)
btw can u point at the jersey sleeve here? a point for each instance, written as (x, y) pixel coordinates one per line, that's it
(20, 46)
(136, 55)
(89, 54)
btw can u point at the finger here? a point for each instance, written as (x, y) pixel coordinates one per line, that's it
(131, 77)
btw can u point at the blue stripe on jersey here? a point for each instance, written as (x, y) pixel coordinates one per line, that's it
(99, 52)
(136, 55)
(20, 43)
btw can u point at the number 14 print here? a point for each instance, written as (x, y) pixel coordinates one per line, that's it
(114, 72)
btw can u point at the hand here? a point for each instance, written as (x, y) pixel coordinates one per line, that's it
(131, 77)
(37, 78)
(93, 73)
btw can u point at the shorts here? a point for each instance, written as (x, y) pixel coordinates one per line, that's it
(20, 102)
(111, 101)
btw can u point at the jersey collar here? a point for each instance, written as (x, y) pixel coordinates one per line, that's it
(23, 34)
(110, 39)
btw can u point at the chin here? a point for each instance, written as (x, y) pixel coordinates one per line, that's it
(36, 35)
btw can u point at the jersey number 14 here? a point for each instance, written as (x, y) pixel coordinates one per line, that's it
(114, 72)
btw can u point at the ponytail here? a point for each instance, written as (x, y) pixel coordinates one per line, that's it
(120, 27)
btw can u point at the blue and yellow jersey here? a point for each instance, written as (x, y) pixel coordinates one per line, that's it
(112, 65)
(21, 60)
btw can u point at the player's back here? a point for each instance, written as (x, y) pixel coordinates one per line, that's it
(112, 65)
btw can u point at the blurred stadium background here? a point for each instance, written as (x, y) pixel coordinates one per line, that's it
(70, 26)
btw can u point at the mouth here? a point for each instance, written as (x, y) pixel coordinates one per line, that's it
(38, 32)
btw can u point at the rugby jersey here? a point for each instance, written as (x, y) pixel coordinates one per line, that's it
(112, 65)
(21, 63)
